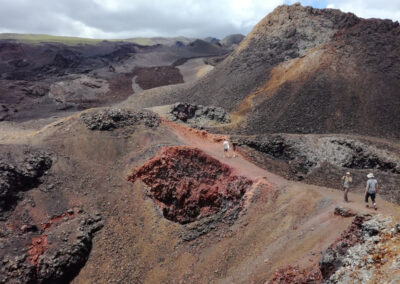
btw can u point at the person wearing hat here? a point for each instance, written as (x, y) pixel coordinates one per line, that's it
(346, 181)
(371, 189)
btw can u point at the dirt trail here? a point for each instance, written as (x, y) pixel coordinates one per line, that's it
(212, 145)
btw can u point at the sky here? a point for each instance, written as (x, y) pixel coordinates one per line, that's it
(108, 19)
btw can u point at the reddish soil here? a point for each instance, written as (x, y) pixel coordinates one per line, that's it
(189, 184)
(120, 87)
(294, 274)
(151, 77)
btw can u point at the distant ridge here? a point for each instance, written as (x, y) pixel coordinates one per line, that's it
(145, 41)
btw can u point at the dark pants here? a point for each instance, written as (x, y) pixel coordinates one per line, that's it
(346, 191)
(372, 197)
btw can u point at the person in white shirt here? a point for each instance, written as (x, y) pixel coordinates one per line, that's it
(226, 148)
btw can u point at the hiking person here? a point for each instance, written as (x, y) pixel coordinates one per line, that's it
(234, 144)
(346, 181)
(371, 189)
(226, 148)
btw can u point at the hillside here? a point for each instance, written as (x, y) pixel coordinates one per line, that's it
(43, 76)
(146, 200)
(112, 167)
(306, 70)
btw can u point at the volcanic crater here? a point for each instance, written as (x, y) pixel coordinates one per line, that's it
(188, 184)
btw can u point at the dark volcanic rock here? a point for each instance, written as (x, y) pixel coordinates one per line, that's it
(44, 79)
(362, 252)
(344, 212)
(19, 173)
(37, 90)
(332, 257)
(56, 253)
(324, 159)
(195, 113)
(109, 119)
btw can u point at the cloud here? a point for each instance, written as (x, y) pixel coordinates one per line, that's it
(383, 9)
(125, 18)
(191, 18)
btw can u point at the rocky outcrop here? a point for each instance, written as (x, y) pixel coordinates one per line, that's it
(332, 257)
(78, 91)
(341, 152)
(19, 173)
(323, 159)
(197, 114)
(188, 184)
(368, 246)
(37, 90)
(56, 252)
(344, 212)
(109, 119)
(366, 252)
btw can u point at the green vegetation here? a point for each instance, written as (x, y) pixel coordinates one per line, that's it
(158, 40)
(39, 38)
(140, 40)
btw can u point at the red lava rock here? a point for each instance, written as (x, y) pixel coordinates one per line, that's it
(39, 243)
(351, 235)
(294, 274)
(188, 184)
(56, 219)
(36, 249)
(332, 257)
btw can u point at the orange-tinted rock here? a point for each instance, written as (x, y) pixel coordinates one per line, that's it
(36, 249)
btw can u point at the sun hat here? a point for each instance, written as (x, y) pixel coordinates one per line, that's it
(347, 173)
(370, 175)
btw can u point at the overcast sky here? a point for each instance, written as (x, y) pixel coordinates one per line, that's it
(148, 18)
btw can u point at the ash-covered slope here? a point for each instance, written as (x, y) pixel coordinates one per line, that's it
(306, 70)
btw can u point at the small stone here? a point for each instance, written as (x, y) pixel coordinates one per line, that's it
(344, 212)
